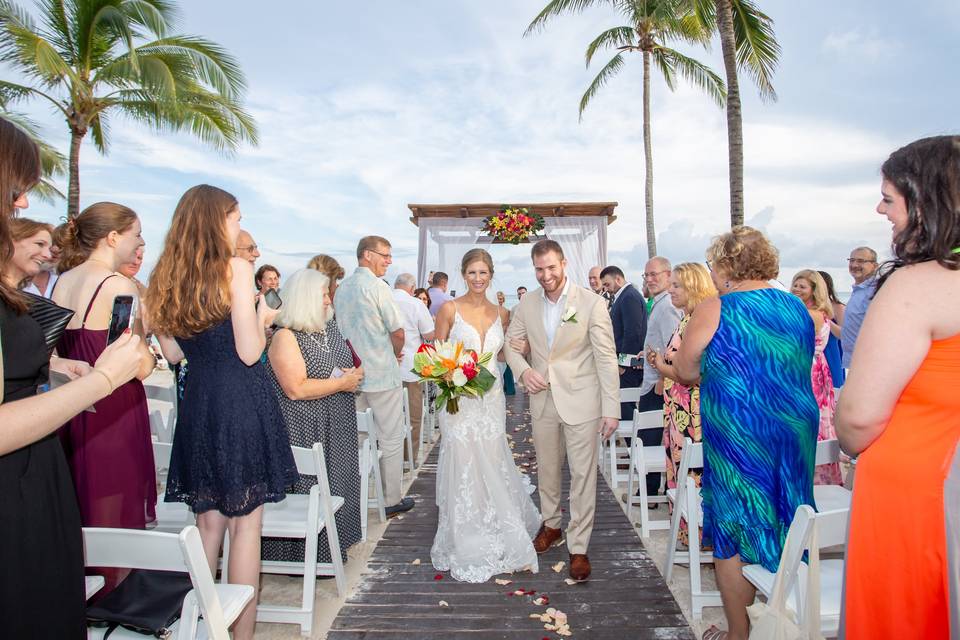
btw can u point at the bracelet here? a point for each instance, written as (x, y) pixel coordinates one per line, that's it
(106, 377)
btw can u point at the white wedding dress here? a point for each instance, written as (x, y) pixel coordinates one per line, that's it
(487, 519)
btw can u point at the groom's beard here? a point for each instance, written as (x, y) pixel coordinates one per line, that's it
(557, 286)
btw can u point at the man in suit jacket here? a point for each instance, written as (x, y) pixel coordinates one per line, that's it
(571, 376)
(629, 317)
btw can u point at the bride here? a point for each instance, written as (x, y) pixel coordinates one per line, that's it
(487, 519)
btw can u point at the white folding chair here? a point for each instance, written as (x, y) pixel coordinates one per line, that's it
(808, 531)
(614, 450)
(217, 605)
(162, 427)
(687, 504)
(369, 466)
(172, 517)
(409, 464)
(429, 424)
(162, 401)
(644, 460)
(302, 517)
(830, 497)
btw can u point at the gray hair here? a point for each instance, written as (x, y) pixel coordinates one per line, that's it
(303, 308)
(870, 252)
(405, 280)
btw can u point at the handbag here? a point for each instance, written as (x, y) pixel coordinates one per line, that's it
(147, 601)
(353, 352)
(52, 318)
(771, 621)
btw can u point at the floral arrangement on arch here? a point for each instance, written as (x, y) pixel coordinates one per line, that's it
(512, 224)
(455, 370)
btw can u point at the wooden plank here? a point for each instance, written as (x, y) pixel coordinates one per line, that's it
(625, 597)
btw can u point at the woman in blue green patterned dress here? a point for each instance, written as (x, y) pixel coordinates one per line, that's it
(752, 349)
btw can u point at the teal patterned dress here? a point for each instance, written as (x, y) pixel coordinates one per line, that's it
(760, 421)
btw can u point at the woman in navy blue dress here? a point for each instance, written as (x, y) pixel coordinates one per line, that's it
(230, 449)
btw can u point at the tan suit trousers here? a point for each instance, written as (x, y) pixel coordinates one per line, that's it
(553, 439)
(415, 395)
(388, 414)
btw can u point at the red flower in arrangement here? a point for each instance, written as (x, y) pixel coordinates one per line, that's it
(425, 347)
(476, 358)
(470, 370)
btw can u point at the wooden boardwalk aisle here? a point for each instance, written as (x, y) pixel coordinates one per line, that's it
(626, 597)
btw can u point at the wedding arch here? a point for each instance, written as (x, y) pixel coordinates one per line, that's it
(447, 231)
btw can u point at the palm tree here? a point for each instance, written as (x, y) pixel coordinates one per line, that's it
(748, 43)
(93, 58)
(652, 24)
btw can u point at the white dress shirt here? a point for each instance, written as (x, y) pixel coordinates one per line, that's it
(417, 322)
(553, 312)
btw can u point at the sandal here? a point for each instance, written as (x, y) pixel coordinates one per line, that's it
(714, 633)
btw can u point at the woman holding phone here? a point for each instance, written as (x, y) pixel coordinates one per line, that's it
(109, 450)
(42, 590)
(230, 450)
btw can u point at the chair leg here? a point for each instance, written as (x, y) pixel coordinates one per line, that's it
(633, 469)
(224, 570)
(411, 464)
(693, 546)
(674, 531)
(644, 503)
(378, 485)
(309, 583)
(364, 488)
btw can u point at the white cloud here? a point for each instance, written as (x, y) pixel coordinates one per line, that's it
(867, 45)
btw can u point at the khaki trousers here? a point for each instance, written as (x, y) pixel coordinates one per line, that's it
(553, 439)
(388, 414)
(415, 395)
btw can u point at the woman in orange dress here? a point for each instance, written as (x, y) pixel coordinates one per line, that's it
(899, 410)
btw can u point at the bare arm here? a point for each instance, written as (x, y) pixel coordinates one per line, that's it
(397, 339)
(444, 321)
(893, 341)
(703, 324)
(505, 324)
(287, 363)
(28, 420)
(170, 349)
(248, 320)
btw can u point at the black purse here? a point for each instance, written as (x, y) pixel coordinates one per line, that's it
(147, 601)
(52, 318)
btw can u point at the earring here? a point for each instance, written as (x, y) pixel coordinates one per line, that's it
(727, 284)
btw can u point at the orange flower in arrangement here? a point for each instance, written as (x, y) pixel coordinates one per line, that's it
(512, 225)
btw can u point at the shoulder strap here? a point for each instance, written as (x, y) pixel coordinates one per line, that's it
(96, 292)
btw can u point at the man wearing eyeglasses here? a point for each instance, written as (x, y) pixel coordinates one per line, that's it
(368, 317)
(247, 247)
(862, 265)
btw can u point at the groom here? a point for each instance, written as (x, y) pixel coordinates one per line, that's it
(572, 380)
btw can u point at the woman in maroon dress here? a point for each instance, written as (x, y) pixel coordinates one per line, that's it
(109, 451)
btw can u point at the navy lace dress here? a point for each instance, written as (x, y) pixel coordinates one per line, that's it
(230, 448)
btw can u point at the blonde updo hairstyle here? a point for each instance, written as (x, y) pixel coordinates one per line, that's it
(82, 234)
(696, 281)
(744, 254)
(476, 255)
(821, 294)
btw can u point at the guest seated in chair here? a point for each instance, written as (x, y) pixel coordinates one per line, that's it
(314, 378)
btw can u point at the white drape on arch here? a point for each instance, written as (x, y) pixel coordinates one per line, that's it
(443, 241)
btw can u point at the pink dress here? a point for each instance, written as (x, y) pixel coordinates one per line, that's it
(823, 391)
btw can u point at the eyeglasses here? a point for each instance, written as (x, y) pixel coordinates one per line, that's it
(860, 261)
(382, 255)
(252, 247)
(653, 274)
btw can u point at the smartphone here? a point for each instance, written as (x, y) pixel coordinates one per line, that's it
(628, 360)
(272, 299)
(453, 293)
(122, 316)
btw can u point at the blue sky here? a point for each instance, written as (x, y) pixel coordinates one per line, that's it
(364, 108)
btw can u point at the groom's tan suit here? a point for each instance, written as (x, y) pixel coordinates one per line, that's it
(581, 369)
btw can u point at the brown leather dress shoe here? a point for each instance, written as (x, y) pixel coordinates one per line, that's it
(579, 566)
(545, 538)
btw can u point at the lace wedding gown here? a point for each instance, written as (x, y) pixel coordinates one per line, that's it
(487, 519)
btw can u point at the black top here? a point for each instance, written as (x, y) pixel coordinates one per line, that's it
(25, 366)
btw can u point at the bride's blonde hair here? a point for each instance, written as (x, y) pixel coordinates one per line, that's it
(476, 255)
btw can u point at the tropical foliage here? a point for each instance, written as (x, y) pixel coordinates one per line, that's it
(652, 27)
(92, 59)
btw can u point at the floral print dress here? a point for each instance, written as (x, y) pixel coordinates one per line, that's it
(681, 419)
(823, 390)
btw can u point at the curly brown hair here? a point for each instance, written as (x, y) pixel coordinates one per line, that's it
(19, 172)
(744, 253)
(189, 288)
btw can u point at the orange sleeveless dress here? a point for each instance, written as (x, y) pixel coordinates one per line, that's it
(903, 556)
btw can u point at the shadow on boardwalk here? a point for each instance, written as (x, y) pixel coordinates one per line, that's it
(626, 597)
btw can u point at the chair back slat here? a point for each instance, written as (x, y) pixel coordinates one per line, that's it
(306, 463)
(828, 451)
(630, 394)
(647, 419)
(365, 422)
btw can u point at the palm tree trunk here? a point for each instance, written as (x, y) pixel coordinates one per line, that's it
(734, 113)
(73, 192)
(648, 159)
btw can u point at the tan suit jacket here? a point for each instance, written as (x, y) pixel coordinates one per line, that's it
(581, 368)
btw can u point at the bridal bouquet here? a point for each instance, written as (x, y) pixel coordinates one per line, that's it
(455, 370)
(512, 224)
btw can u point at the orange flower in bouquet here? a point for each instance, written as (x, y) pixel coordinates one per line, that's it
(455, 370)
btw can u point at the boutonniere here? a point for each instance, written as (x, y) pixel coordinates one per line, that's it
(570, 315)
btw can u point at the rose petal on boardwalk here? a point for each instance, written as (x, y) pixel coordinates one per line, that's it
(559, 566)
(416, 562)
